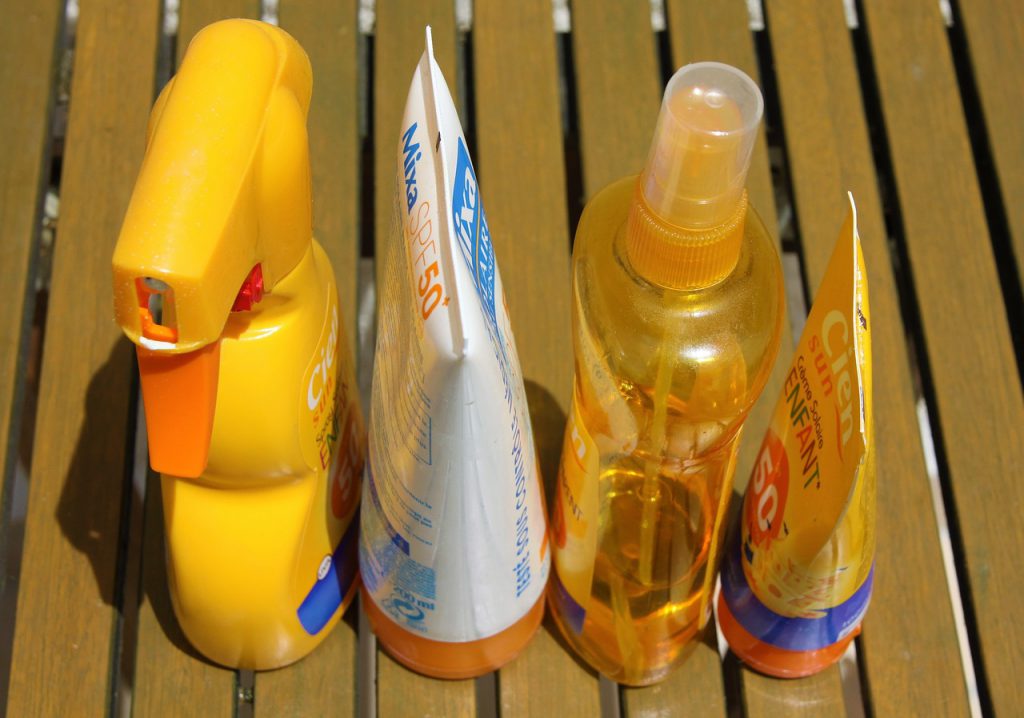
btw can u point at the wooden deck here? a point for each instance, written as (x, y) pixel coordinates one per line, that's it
(916, 112)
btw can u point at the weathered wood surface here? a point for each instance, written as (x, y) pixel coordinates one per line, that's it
(27, 88)
(94, 627)
(68, 597)
(977, 393)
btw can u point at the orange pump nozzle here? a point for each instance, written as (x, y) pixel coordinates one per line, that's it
(221, 211)
(179, 392)
(687, 219)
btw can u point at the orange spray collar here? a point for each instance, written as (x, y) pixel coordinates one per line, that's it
(221, 212)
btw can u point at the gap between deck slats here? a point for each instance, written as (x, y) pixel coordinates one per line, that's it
(77, 492)
(29, 89)
(986, 38)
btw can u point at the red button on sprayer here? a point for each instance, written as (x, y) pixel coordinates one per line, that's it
(251, 291)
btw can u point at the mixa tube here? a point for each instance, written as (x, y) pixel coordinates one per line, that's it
(453, 545)
(797, 576)
(252, 416)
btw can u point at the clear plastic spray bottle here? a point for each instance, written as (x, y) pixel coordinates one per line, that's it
(677, 315)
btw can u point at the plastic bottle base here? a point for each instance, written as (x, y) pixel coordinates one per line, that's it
(279, 652)
(441, 659)
(770, 660)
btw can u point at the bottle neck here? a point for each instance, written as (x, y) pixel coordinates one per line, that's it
(678, 258)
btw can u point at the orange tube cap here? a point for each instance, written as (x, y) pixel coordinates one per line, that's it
(772, 660)
(441, 659)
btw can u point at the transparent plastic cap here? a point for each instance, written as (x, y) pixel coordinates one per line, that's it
(697, 167)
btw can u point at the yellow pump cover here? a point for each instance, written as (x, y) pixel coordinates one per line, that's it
(225, 182)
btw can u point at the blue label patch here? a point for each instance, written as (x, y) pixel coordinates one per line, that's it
(573, 612)
(328, 592)
(470, 224)
(792, 634)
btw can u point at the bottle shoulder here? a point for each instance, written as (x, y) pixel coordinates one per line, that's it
(599, 256)
(630, 326)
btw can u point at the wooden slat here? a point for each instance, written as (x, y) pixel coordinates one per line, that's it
(522, 180)
(398, 45)
(28, 38)
(324, 683)
(995, 35)
(812, 696)
(694, 689)
(65, 614)
(402, 693)
(168, 671)
(977, 392)
(618, 88)
(910, 657)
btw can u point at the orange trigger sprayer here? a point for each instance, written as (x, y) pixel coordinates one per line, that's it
(251, 409)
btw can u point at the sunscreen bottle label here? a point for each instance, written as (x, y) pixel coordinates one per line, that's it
(574, 521)
(331, 430)
(331, 435)
(408, 588)
(319, 395)
(334, 577)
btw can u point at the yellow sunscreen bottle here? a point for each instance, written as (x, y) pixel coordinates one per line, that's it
(251, 408)
(677, 314)
(797, 576)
